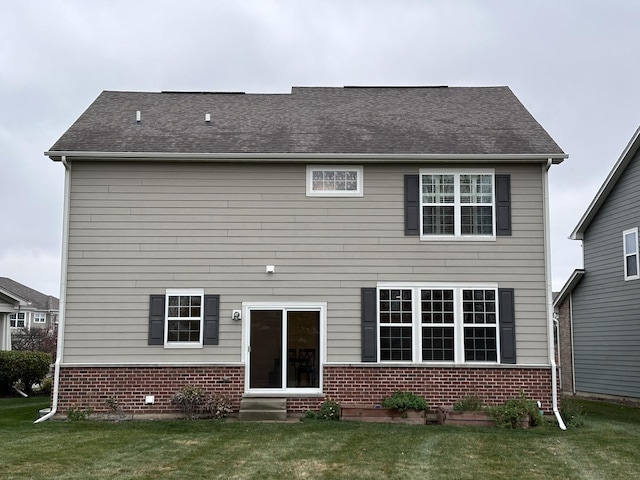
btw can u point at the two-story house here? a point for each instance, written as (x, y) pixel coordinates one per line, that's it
(23, 307)
(331, 242)
(599, 307)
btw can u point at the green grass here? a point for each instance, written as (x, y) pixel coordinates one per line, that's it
(606, 447)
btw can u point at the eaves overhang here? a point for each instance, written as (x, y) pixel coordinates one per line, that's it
(608, 185)
(296, 157)
(568, 287)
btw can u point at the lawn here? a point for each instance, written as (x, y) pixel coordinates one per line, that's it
(605, 447)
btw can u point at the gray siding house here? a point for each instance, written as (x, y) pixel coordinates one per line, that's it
(603, 310)
(336, 243)
(24, 307)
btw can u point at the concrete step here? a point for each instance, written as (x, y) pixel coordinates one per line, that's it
(255, 409)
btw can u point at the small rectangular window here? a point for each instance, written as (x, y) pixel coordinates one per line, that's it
(17, 320)
(184, 314)
(39, 317)
(334, 181)
(457, 204)
(631, 263)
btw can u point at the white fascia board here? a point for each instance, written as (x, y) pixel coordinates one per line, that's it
(295, 157)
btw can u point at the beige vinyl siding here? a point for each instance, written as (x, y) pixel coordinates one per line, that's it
(139, 228)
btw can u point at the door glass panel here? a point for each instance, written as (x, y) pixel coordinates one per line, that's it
(303, 349)
(266, 349)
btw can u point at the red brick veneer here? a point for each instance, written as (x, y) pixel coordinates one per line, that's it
(92, 386)
(440, 386)
(348, 385)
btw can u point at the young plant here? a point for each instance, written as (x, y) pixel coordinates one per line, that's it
(403, 401)
(469, 403)
(327, 410)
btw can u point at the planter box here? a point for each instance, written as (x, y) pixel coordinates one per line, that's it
(478, 419)
(453, 417)
(382, 415)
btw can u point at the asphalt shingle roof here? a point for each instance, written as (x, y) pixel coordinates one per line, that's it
(366, 120)
(38, 300)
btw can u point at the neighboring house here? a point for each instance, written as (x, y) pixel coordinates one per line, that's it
(599, 307)
(20, 307)
(331, 242)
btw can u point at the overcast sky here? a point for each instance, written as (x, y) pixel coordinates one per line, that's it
(573, 63)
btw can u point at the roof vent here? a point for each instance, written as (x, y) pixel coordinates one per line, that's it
(138, 116)
(207, 117)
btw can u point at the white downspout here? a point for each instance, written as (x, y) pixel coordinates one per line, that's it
(547, 251)
(63, 290)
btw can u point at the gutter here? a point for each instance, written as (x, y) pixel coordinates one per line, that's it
(547, 249)
(296, 157)
(63, 290)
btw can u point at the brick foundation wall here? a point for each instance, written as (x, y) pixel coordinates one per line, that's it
(348, 385)
(92, 386)
(440, 386)
(564, 343)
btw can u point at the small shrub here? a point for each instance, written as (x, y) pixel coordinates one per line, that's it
(218, 405)
(327, 410)
(572, 413)
(28, 367)
(469, 403)
(189, 399)
(79, 414)
(514, 411)
(403, 401)
(114, 406)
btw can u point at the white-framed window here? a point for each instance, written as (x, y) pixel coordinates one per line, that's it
(334, 181)
(438, 323)
(184, 317)
(631, 257)
(39, 317)
(457, 204)
(17, 320)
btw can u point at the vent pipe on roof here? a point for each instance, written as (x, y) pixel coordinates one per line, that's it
(207, 117)
(138, 116)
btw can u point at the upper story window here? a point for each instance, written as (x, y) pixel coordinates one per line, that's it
(334, 181)
(39, 317)
(631, 262)
(17, 320)
(184, 315)
(425, 323)
(457, 204)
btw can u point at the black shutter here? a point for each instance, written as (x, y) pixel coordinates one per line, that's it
(156, 320)
(369, 325)
(503, 205)
(211, 319)
(507, 325)
(411, 205)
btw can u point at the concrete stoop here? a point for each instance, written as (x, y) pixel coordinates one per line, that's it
(263, 409)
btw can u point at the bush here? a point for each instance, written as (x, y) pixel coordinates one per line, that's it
(218, 405)
(189, 399)
(403, 401)
(28, 367)
(514, 412)
(572, 413)
(36, 339)
(328, 410)
(469, 403)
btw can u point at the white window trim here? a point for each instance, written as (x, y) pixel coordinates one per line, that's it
(459, 324)
(183, 292)
(359, 192)
(39, 317)
(16, 317)
(457, 204)
(633, 231)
